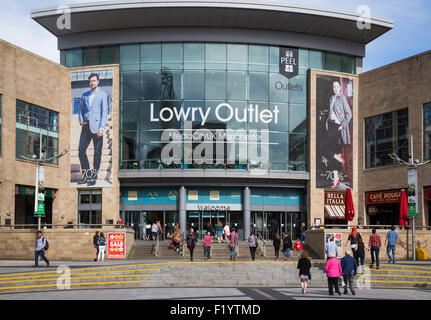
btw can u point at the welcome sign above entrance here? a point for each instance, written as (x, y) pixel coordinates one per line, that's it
(213, 207)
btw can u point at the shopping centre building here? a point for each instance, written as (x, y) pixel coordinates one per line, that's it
(241, 112)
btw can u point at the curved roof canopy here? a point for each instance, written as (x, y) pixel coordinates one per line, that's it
(132, 14)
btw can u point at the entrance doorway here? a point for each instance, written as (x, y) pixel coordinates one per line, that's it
(268, 224)
(138, 219)
(199, 220)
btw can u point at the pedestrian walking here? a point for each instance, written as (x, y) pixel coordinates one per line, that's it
(191, 241)
(219, 231)
(391, 244)
(252, 243)
(210, 229)
(360, 252)
(148, 231)
(287, 246)
(207, 245)
(303, 229)
(297, 247)
(226, 232)
(374, 245)
(102, 243)
(349, 268)
(233, 243)
(333, 272)
(353, 238)
(276, 243)
(96, 244)
(154, 231)
(304, 265)
(178, 238)
(41, 247)
(331, 248)
(159, 230)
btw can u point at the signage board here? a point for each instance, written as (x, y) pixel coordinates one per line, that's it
(288, 64)
(116, 245)
(388, 196)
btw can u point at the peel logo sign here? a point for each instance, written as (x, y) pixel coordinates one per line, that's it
(288, 64)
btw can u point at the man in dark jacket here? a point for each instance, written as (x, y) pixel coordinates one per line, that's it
(349, 268)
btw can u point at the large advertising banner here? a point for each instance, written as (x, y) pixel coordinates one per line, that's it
(91, 128)
(334, 132)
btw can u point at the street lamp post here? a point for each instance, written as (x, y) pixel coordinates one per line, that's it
(39, 163)
(412, 165)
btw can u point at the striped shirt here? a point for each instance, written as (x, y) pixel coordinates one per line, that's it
(375, 240)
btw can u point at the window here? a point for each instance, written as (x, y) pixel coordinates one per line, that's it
(427, 131)
(384, 134)
(36, 125)
(90, 208)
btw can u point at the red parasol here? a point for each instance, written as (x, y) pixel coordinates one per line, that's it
(404, 210)
(349, 211)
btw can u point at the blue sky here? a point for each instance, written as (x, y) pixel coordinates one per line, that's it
(410, 35)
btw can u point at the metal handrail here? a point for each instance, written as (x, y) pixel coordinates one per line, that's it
(261, 244)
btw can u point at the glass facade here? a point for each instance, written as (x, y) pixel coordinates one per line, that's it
(234, 93)
(31, 121)
(427, 131)
(384, 134)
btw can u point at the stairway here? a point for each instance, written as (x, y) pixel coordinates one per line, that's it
(141, 249)
(397, 275)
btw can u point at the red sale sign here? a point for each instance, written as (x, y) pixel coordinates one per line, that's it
(116, 245)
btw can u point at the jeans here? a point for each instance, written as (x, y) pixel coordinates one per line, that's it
(207, 252)
(101, 253)
(302, 238)
(388, 251)
(191, 252)
(333, 282)
(253, 253)
(286, 252)
(360, 257)
(232, 252)
(36, 257)
(376, 251)
(277, 251)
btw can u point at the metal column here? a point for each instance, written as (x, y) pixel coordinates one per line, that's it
(247, 212)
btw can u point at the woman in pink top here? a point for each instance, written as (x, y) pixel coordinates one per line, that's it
(333, 272)
(207, 246)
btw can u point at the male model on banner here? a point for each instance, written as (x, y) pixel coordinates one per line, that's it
(93, 115)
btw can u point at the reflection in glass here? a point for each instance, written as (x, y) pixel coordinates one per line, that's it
(297, 152)
(215, 85)
(130, 116)
(194, 56)
(151, 56)
(237, 85)
(194, 85)
(151, 85)
(298, 118)
(237, 56)
(258, 58)
(172, 55)
(130, 84)
(215, 54)
(258, 86)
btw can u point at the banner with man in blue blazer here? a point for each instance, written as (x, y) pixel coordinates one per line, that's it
(91, 109)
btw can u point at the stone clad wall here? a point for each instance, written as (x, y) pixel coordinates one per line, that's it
(64, 244)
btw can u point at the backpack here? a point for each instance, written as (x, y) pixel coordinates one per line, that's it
(46, 247)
